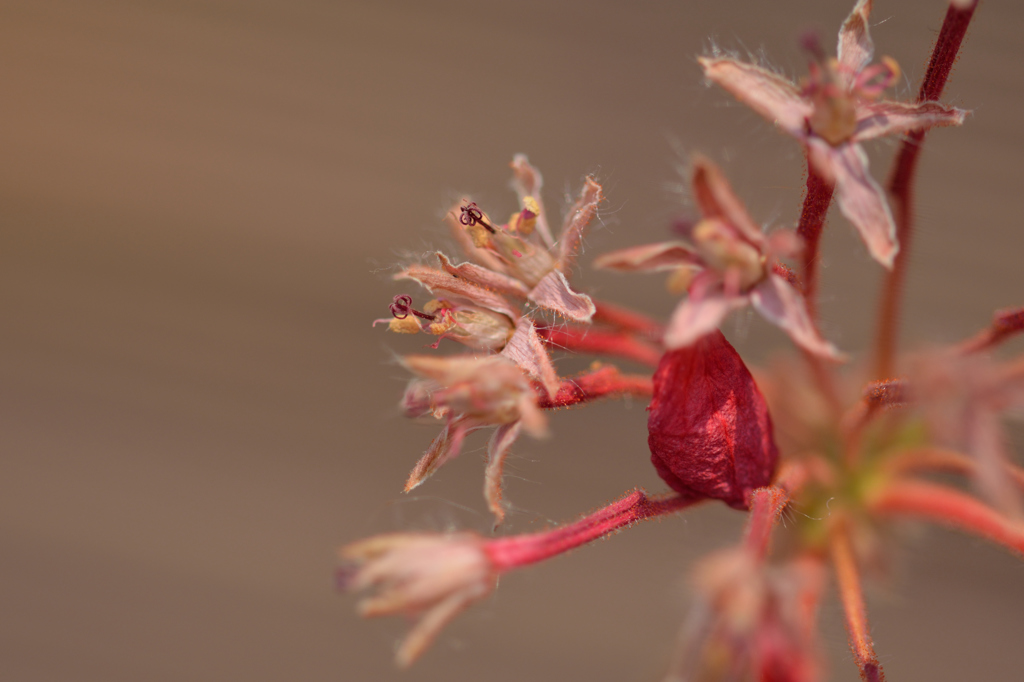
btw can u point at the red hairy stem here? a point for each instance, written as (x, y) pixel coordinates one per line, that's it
(1005, 324)
(812, 220)
(901, 181)
(628, 320)
(852, 597)
(508, 553)
(948, 461)
(603, 383)
(600, 342)
(766, 504)
(877, 395)
(951, 508)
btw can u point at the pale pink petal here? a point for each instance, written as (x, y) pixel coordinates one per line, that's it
(442, 284)
(495, 281)
(715, 198)
(576, 222)
(428, 627)
(701, 312)
(784, 306)
(770, 95)
(527, 351)
(648, 258)
(859, 197)
(481, 256)
(528, 183)
(442, 449)
(497, 450)
(553, 293)
(855, 46)
(875, 119)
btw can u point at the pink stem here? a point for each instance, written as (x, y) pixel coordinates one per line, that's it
(901, 182)
(600, 342)
(603, 383)
(521, 550)
(766, 504)
(1005, 324)
(852, 596)
(628, 320)
(951, 508)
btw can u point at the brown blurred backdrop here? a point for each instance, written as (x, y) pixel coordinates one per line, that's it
(201, 204)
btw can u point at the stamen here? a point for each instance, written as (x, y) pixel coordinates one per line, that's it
(472, 215)
(401, 308)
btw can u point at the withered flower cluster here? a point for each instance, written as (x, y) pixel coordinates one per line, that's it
(757, 441)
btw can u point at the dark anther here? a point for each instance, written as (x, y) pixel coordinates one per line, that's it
(472, 215)
(401, 308)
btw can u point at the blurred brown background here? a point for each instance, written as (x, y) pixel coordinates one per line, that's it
(201, 205)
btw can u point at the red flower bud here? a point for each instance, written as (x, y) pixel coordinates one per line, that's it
(709, 430)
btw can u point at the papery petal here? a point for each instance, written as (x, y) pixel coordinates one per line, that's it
(528, 183)
(716, 199)
(701, 312)
(497, 449)
(875, 119)
(447, 285)
(855, 48)
(527, 351)
(576, 222)
(427, 628)
(648, 258)
(442, 449)
(784, 306)
(489, 279)
(553, 292)
(860, 198)
(465, 241)
(770, 95)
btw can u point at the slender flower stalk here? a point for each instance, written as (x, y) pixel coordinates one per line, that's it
(606, 382)
(951, 508)
(517, 551)
(1005, 325)
(817, 199)
(594, 341)
(901, 181)
(852, 597)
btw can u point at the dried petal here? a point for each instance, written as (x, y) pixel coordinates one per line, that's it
(489, 279)
(859, 197)
(527, 351)
(528, 182)
(875, 119)
(553, 292)
(709, 430)
(855, 46)
(784, 306)
(701, 312)
(497, 450)
(576, 222)
(716, 199)
(648, 258)
(770, 95)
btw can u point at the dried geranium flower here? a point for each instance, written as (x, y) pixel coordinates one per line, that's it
(728, 263)
(835, 110)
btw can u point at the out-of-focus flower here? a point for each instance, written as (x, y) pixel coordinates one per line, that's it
(964, 398)
(728, 263)
(430, 577)
(709, 430)
(836, 108)
(751, 621)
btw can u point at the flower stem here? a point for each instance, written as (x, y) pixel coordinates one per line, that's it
(512, 552)
(950, 508)
(605, 382)
(901, 181)
(766, 504)
(852, 597)
(600, 342)
(628, 320)
(1005, 323)
(935, 460)
(812, 220)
